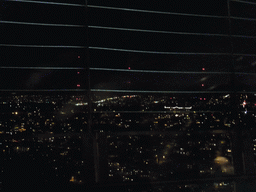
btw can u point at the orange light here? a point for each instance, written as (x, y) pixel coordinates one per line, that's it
(72, 179)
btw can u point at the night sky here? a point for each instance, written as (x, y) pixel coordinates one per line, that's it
(155, 42)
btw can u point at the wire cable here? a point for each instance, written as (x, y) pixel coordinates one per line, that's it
(153, 71)
(157, 12)
(10, 67)
(43, 46)
(157, 52)
(247, 2)
(41, 24)
(243, 18)
(244, 36)
(42, 90)
(153, 31)
(177, 72)
(116, 8)
(126, 70)
(170, 32)
(168, 53)
(140, 91)
(124, 50)
(49, 3)
(123, 29)
(174, 92)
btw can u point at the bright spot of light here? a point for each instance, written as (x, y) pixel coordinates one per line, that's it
(78, 85)
(203, 69)
(244, 103)
(202, 85)
(225, 165)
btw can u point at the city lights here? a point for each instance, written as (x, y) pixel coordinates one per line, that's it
(63, 149)
(72, 117)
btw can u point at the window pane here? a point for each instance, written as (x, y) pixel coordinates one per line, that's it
(42, 57)
(163, 42)
(238, 27)
(244, 45)
(42, 13)
(245, 64)
(25, 35)
(242, 9)
(210, 8)
(159, 82)
(158, 22)
(41, 79)
(159, 62)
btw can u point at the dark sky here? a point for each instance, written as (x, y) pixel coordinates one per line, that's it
(21, 34)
